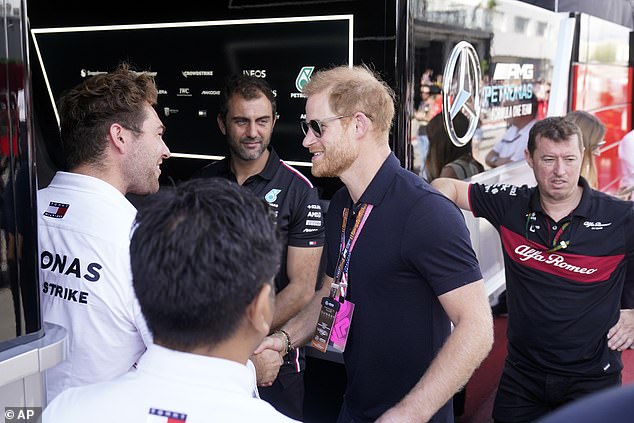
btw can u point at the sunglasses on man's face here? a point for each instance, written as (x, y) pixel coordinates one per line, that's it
(315, 124)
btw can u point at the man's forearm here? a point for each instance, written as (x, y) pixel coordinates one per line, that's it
(302, 327)
(288, 303)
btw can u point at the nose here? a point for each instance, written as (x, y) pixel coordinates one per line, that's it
(560, 167)
(309, 139)
(252, 130)
(166, 151)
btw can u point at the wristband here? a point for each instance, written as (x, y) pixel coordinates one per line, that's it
(288, 345)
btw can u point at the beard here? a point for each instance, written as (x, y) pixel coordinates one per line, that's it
(247, 154)
(335, 160)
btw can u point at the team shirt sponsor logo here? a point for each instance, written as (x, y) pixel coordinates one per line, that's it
(313, 222)
(68, 266)
(510, 190)
(271, 196)
(313, 207)
(56, 210)
(68, 294)
(596, 226)
(309, 230)
(575, 267)
(314, 214)
(156, 415)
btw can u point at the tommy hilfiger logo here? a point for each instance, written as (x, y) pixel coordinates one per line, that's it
(596, 226)
(56, 210)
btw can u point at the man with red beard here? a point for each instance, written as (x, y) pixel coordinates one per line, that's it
(566, 252)
(247, 118)
(400, 252)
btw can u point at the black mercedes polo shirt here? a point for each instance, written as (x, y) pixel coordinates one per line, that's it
(290, 195)
(564, 279)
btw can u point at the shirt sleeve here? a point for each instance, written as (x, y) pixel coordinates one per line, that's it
(438, 245)
(306, 225)
(492, 202)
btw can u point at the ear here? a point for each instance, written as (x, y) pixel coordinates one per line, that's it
(362, 124)
(221, 124)
(118, 137)
(260, 311)
(529, 159)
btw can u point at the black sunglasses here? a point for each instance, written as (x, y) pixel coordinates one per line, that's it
(315, 124)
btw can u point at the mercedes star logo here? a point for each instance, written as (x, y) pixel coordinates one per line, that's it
(461, 90)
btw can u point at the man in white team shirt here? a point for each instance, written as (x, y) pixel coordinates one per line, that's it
(112, 140)
(203, 256)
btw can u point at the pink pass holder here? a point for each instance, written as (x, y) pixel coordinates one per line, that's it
(333, 325)
(341, 327)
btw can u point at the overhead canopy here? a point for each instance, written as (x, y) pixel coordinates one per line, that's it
(617, 11)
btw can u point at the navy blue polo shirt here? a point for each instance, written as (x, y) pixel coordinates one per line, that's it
(413, 248)
(561, 301)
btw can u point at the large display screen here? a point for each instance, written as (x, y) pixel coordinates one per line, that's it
(191, 61)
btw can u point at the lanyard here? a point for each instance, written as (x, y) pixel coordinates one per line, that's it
(557, 244)
(345, 248)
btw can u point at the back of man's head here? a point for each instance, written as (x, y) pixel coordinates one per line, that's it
(89, 109)
(200, 253)
(248, 87)
(355, 89)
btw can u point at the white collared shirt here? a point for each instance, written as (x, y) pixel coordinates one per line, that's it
(189, 387)
(514, 142)
(84, 227)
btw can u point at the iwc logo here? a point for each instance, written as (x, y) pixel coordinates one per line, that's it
(461, 90)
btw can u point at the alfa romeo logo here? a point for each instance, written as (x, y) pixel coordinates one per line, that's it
(461, 90)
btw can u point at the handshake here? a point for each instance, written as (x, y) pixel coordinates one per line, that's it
(269, 356)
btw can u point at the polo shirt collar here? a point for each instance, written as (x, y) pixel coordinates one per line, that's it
(267, 173)
(379, 186)
(582, 209)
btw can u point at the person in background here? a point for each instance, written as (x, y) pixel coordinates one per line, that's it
(247, 118)
(626, 157)
(113, 142)
(430, 106)
(445, 159)
(203, 257)
(400, 252)
(512, 145)
(592, 131)
(567, 250)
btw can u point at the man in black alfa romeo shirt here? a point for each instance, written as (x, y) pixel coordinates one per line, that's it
(246, 119)
(566, 253)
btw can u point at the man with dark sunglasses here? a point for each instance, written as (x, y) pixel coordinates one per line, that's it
(247, 118)
(399, 264)
(566, 250)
